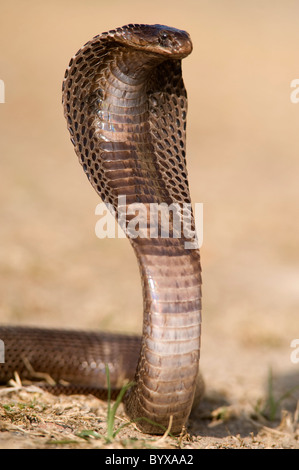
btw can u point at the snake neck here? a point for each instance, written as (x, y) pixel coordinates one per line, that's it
(133, 67)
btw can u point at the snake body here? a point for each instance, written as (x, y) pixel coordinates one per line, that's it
(125, 104)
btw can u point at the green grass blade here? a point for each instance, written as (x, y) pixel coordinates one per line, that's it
(112, 410)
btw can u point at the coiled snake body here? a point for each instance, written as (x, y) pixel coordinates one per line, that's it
(125, 104)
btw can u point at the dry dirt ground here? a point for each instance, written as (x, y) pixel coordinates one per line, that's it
(243, 165)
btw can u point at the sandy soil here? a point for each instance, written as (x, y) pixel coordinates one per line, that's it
(243, 165)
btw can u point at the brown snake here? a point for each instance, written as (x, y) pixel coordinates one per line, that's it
(125, 103)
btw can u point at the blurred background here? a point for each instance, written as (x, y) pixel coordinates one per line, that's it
(242, 155)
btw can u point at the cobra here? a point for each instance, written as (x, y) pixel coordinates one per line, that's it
(125, 104)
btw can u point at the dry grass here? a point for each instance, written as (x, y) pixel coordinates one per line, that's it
(33, 418)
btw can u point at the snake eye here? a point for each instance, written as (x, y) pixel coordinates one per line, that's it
(163, 39)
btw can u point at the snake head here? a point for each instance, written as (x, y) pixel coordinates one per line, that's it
(158, 39)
